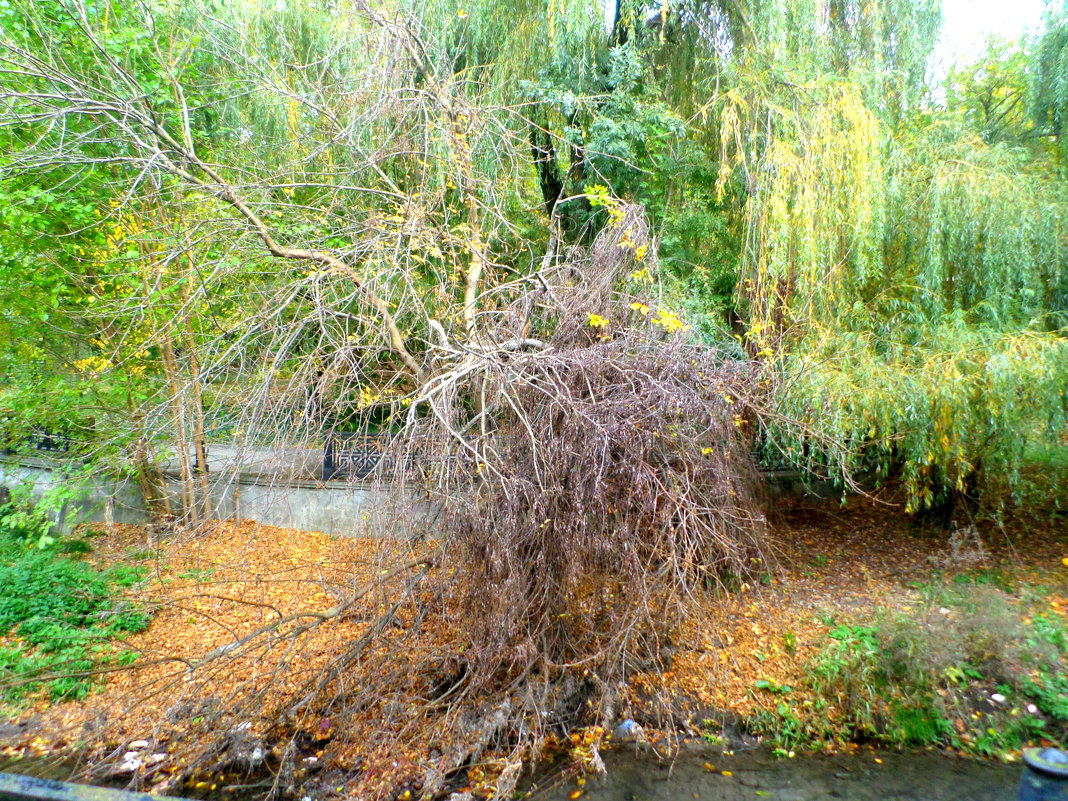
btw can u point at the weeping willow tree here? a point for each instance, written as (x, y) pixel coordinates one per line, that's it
(813, 210)
(1050, 75)
(907, 286)
(881, 46)
(981, 228)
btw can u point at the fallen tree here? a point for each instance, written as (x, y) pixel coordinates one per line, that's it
(594, 467)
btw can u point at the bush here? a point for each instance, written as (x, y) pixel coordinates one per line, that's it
(611, 481)
(62, 613)
(619, 482)
(906, 678)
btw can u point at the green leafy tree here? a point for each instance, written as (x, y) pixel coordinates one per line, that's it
(990, 93)
(1049, 76)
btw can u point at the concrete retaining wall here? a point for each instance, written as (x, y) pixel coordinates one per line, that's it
(277, 486)
(96, 500)
(282, 493)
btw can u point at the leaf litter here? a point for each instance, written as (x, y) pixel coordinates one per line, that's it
(829, 562)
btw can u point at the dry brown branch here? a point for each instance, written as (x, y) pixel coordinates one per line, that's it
(590, 466)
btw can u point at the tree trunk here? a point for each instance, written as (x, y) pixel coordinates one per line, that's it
(201, 466)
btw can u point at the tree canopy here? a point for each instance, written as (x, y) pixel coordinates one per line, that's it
(270, 220)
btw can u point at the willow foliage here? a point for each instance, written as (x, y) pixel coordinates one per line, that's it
(882, 46)
(502, 45)
(813, 209)
(909, 284)
(978, 230)
(1050, 74)
(963, 410)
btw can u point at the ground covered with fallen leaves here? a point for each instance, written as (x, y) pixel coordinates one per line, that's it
(828, 562)
(837, 563)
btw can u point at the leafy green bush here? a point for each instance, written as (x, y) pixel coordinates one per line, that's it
(62, 616)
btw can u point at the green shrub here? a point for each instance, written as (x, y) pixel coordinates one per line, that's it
(904, 679)
(64, 614)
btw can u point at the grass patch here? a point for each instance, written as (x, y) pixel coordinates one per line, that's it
(59, 616)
